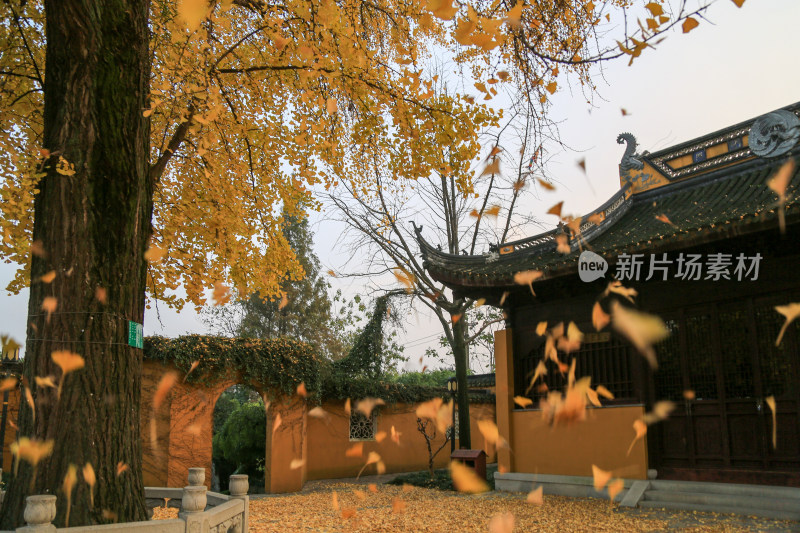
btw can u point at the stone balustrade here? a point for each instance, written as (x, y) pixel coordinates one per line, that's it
(201, 511)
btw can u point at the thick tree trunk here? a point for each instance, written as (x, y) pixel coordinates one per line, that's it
(461, 354)
(93, 227)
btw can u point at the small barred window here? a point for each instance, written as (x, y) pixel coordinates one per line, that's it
(361, 427)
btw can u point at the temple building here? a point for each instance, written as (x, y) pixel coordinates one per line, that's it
(711, 249)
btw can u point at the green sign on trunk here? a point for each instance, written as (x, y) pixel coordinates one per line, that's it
(135, 337)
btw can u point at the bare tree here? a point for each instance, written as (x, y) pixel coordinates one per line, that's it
(461, 215)
(422, 427)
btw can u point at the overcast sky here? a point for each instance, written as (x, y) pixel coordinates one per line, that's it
(741, 66)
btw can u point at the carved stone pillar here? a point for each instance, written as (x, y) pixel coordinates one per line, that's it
(39, 513)
(197, 476)
(238, 486)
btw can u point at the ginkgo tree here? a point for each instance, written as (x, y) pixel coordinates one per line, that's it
(156, 145)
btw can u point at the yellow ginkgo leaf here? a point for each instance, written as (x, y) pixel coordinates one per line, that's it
(689, 24)
(465, 479)
(49, 277)
(331, 106)
(192, 12)
(90, 479)
(166, 383)
(70, 480)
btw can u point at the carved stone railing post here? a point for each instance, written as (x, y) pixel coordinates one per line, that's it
(40, 511)
(197, 476)
(238, 487)
(193, 502)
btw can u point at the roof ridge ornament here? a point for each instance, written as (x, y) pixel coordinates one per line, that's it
(774, 134)
(630, 159)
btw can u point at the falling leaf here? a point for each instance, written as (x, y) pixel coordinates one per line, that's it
(503, 297)
(660, 411)
(101, 295)
(541, 328)
(32, 450)
(600, 318)
(398, 505)
(689, 24)
(641, 329)
(582, 164)
(739, 3)
(541, 370)
(479, 302)
(373, 487)
(465, 479)
(221, 294)
(556, 209)
(617, 288)
(490, 432)
(29, 401)
(614, 488)
(347, 407)
(405, 277)
(791, 312)
(356, 450)
(522, 401)
(503, 522)
(154, 254)
(622, 109)
(492, 168)
(332, 273)
(395, 435)
(771, 404)
(68, 362)
(527, 277)
(318, 412)
(301, 390)
(604, 392)
(536, 496)
(46, 381)
(90, 479)
(296, 463)
(37, 249)
(367, 405)
(689, 394)
(49, 305)
(121, 467)
(49, 277)
(596, 218)
(277, 423)
(348, 513)
(601, 477)
(455, 318)
(664, 218)
(194, 365)
(70, 479)
(335, 501)
(7, 384)
(641, 430)
(166, 383)
(546, 185)
(380, 436)
(331, 106)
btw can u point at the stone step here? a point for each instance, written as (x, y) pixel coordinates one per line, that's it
(733, 489)
(740, 510)
(724, 500)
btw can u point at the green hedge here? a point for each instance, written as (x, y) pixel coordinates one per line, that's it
(279, 364)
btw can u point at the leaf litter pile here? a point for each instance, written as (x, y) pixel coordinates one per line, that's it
(336, 506)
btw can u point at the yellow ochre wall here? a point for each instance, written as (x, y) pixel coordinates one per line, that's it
(329, 439)
(537, 448)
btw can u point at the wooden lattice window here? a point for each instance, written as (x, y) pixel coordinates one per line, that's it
(362, 427)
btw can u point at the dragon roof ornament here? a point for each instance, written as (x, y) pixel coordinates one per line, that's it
(630, 159)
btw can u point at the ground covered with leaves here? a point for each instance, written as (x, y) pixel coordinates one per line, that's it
(375, 508)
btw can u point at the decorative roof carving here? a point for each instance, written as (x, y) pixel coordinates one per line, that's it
(774, 134)
(630, 159)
